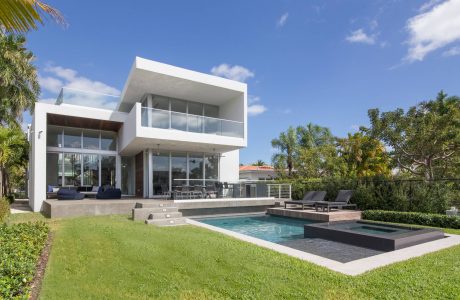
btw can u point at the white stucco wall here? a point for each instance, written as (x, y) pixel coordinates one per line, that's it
(229, 166)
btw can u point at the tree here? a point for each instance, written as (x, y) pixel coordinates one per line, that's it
(259, 163)
(320, 161)
(19, 87)
(20, 16)
(364, 156)
(314, 136)
(13, 154)
(287, 146)
(425, 141)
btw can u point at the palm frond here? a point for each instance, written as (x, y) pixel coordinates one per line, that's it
(21, 16)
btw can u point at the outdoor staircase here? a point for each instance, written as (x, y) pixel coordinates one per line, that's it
(160, 213)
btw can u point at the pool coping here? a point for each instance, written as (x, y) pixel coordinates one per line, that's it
(353, 268)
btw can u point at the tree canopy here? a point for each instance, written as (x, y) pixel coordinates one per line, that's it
(425, 141)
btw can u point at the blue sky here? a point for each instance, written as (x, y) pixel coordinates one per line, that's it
(325, 62)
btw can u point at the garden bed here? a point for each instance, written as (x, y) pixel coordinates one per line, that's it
(21, 255)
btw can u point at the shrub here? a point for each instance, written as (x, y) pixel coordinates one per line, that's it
(4, 210)
(434, 220)
(20, 248)
(378, 193)
(10, 198)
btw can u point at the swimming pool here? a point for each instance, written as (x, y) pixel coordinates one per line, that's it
(270, 228)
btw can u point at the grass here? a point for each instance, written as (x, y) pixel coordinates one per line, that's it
(115, 258)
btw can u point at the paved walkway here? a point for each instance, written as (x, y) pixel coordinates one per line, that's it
(20, 206)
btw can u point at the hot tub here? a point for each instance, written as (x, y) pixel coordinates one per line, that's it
(372, 235)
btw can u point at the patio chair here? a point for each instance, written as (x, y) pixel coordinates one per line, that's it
(211, 191)
(309, 199)
(197, 192)
(341, 201)
(165, 191)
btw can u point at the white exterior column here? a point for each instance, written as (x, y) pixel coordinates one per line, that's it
(229, 165)
(37, 163)
(118, 171)
(149, 175)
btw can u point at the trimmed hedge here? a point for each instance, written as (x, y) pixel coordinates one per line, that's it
(433, 220)
(4, 210)
(381, 194)
(20, 248)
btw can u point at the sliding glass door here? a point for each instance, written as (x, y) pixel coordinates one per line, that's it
(72, 169)
(90, 169)
(160, 173)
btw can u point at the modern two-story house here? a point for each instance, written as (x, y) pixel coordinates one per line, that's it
(169, 127)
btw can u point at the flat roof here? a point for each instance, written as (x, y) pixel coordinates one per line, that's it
(151, 77)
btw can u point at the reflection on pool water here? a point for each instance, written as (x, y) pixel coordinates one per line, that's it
(270, 228)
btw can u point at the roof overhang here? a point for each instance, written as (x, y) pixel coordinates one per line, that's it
(151, 77)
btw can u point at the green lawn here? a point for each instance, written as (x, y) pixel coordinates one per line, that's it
(116, 258)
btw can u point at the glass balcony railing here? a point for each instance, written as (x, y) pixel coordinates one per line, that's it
(165, 119)
(88, 99)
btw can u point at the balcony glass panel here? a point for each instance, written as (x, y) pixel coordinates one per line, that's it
(195, 123)
(88, 99)
(192, 123)
(212, 126)
(178, 121)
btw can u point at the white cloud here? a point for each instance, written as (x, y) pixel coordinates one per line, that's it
(426, 6)
(433, 29)
(59, 77)
(359, 36)
(282, 20)
(51, 84)
(454, 51)
(253, 99)
(235, 72)
(256, 109)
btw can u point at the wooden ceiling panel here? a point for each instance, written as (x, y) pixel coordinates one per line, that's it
(60, 120)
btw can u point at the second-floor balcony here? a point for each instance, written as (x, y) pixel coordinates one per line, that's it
(166, 119)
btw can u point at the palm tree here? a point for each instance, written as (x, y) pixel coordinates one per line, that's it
(286, 143)
(313, 135)
(20, 16)
(259, 163)
(19, 87)
(13, 153)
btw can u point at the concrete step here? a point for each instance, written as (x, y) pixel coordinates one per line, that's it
(165, 215)
(143, 213)
(167, 222)
(155, 204)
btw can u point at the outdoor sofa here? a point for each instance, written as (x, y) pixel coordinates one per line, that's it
(108, 193)
(69, 194)
(341, 201)
(309, 199)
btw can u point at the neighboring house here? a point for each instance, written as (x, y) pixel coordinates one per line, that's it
(257, 173)
(169, 127)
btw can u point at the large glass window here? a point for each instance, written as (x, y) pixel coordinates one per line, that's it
(127, 175)
(178, 116)
(91, 139)
(72, 169)
(107, 170)
(211, 163)
(90, 169)
(195, 164)
(108, 140)
(160, 173)
(179, 169)
(72, 138)
(54, 169)
(211, 111)
(54, 136)
(160, 102)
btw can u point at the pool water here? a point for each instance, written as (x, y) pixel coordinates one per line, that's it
(270, 228)
(370, 228)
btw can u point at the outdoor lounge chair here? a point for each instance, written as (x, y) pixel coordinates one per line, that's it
(309, 199)
(108, 193)
(341, 201)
